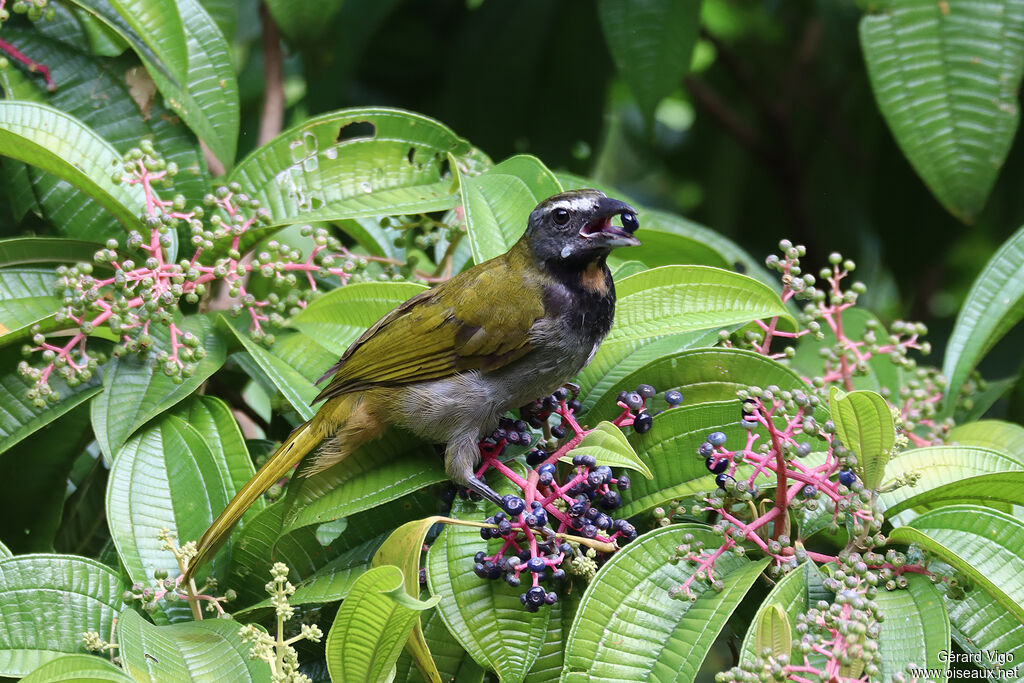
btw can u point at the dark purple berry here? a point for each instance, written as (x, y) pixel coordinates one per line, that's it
(480, 570)
(705, 449)
(536, 564)
(627, 530)
(499, 434)
(809, 491)
(717, 438)
(611, 500)
(551, 598)
(603, 522)
(592, 514)
(621, 398)
(588, 461)
(536, 421)
(716, 465)
(512, 437)
(574, 405)
(589, 531)
(558, 431)
(504, 527)
(512, 580)
(536, 595)
(847, 477)
(722, 479)
(634, 401)
(646, 390)
(548, 468)
(525, 438)
(577, 509)
(561, 393)
(558, 574)
(577, 460)
(545, 479)
(565, 549)
(643, 423)
(605, 472)
(542, 518)
(479, 557)
(536, 457)
(576, 523)
(595, 478)
(623, 482)
(513, 504)
(673, 397)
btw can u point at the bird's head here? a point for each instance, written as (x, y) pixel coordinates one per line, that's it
(578, 227)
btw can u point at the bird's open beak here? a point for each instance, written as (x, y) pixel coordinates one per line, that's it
(600, 227)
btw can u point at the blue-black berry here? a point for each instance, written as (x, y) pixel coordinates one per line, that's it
(717, 438)
(716, 465)
(611, 500)
(809, 491)
(646, 390)
(634, 401)
(513, 505)
(847, 477)
(623, 482)
(643, 423)
(705, 449)
(558, 431)
(673, 397)
(722, 479)
(535, 565)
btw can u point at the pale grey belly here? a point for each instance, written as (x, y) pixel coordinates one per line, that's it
(472, 402)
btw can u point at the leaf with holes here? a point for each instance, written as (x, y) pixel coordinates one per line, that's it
(993, 306)
(49, 601)
(864, 424)
(628, 629)
(945, 76)
(498, 202)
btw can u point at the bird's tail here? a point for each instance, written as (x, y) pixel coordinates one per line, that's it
(301, 441)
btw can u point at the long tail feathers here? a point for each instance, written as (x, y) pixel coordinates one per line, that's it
(301, 441)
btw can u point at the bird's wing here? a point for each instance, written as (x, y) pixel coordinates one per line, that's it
(478, 320)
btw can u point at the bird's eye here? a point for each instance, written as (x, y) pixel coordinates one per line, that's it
(561, 216)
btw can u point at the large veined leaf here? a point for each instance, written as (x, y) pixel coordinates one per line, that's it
(628, 629)
(20, 251)
(372, 625)
(62, 145)
(207, 651)
(915, 628)
(551, 660)
(298, 389)
(994, 305)
(945, 75)
(302, 23)
(123, 120)
(608, 445)
(135, 391)
(26, 298)
(48, 602)
(452, 662)
(153, 28)
(337, 318)
(380, 471)
(672, 301)
(795, 593)
(1005, 437)
(985, 545)
(651, 42)
(485, 616)
(702, 375)
(659, 248)
(980, 624)
(864, 424)
(670, 450)
(498, 203)
(207, 99)
(169, 476)
(352, 163)
(78, 669)
(952, 473)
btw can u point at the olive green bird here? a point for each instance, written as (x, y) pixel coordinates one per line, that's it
(449, 362)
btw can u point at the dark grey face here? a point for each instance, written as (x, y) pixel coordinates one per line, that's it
(578, 226)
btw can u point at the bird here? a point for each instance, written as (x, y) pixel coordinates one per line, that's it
(449, 362)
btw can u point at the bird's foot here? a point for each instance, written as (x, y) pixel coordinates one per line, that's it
(475, 484)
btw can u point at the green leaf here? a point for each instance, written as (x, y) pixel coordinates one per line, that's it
(205, 651)
(1005, 437)
(651, 42)
(320, 170)
(659, 248)
(984, 544)
(864, 424)
(380, 471)
(952, 473)
(609, 446)
(20, 251)
(981, 625)
(915, 628)
(452, 662)
(32, 495)
(773, 631)
(5, 552)
(135, 391)
(26, 298)
(207, 98)
(945, 76)
(371, 626)
(78, 669)
(794, 594)
(498, 203)
(297, 389)
(303, 24)
(673, 301)
(551, 660)
(48, 602)
(153, 28)
(993, 306)
(670, 450)
(330, 583)
(129, 113)
(174, 475)
(337, 318)
(702, 375)
(486, 617)
(62, 145)
(628, 629)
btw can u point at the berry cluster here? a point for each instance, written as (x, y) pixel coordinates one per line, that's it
(565, 507)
